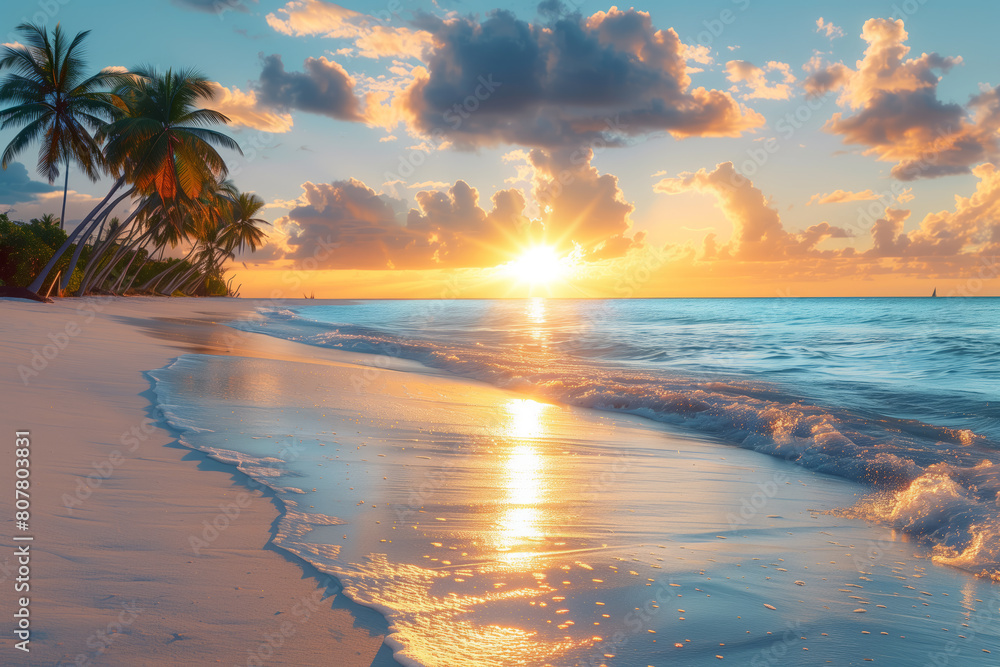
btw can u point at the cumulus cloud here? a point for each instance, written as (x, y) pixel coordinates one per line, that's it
(832, 31)
(578, 210)
(371, 38)
(245, 110)
(897, 114)
(16, 186)
(841, 196)
(354, 227)
(580, 207)
(754, 79)
(758, 233)
(324, 88)
(569, 82)
(972, 227)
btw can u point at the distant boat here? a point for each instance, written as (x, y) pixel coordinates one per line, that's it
(935, 292)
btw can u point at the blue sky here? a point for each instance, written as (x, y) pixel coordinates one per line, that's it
(228, 47)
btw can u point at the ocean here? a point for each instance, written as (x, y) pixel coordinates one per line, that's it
(624, 448)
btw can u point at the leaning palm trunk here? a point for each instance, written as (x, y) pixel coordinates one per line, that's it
(124, 273)
(180, 280)
(100, 275)
(39, 280)
(155, 280)
(135, 275)
(94, 265)
(79, 246)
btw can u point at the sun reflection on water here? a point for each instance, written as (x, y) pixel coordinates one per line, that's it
(520, 520)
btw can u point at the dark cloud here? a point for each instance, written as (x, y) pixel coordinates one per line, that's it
(16, 186)
(573, 81)
(323, 88)
(214, 6)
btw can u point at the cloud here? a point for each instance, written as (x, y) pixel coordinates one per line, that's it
(840, 196)
(214, 6)
(973, 227)
(16, 186)
(371, 38)
(244, 109)
(429, 185)
(755, 79)
(579, 210)
(361, 229)
(580, 207)
(826, 28)
(570, 82)
(758, 233)
(896, 111)
(78, 205)
(323, 88)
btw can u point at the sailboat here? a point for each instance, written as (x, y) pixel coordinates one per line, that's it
(935, 292)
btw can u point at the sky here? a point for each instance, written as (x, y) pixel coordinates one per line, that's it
(443, 149)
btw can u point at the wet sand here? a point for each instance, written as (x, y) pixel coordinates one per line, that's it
(115, 502)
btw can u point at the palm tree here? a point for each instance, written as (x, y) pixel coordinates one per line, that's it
(49, 220)
(161, 141)
(243, 231)
(159, 147)
(52, 100)
(162, 136)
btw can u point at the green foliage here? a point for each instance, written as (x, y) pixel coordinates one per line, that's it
(25, 248)
(22, 252)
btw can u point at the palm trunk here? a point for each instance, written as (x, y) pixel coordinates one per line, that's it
(62, 218)
(155, 280)
(79, 246)
(180, 280)
(135, 275)
(99, 275)
(124, 273)
(39, 280)
(93, 267)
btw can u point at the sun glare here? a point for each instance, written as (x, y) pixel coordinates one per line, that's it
(540, 265)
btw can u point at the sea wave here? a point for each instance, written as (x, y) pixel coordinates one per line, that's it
(936, 482)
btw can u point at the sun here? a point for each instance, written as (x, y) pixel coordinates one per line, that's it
(540, 265)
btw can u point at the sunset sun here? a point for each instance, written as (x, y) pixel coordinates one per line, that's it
(540, 265)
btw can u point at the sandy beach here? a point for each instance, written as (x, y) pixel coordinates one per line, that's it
(114, 579)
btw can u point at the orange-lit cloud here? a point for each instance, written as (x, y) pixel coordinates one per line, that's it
(896, 111)
(973, 227)
(832, 31)
(946, 244)
(579, 211)
(758, 233)
(347, 225)
(245, 110)
(370, 37)
(754, 79)
(841, 196)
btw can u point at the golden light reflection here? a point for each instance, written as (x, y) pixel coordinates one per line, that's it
(519, 522)
(525, 418)
(536, 310)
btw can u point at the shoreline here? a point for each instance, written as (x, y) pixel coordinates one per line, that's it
(114, 574)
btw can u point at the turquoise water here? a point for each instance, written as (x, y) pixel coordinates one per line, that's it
(882, 410)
